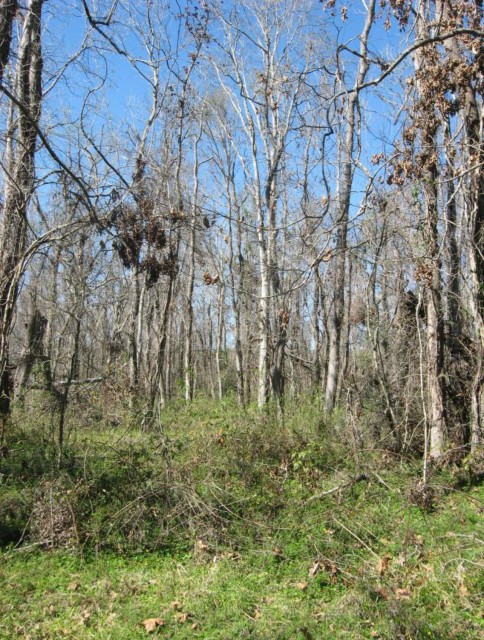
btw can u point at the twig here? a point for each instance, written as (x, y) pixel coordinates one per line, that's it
(345, 485)
(356, 537)
(381, 481)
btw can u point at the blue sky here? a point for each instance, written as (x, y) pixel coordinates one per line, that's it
(121, 102)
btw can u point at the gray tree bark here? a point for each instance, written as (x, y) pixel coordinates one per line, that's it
(19, 182)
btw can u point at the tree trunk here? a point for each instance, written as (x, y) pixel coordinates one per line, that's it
(218, 349)
(8, 11)
(159, 389)
(472, 115)
(337, 306)
(187, 354)
(33, 351)
(19, 182)
(431, 265)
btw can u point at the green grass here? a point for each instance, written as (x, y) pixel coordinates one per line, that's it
(209, 525)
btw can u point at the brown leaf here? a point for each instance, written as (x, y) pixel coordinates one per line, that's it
(202, 546)
(111, 619)
(314, 569)
(175, 605)
(380, 593)
(257, 613)
(382, 565)
(74, 586)
(302, 586)
(402, 594)
(86, 614)
(463, 590)
(327, 256)
(330, 567)
(182, 618)
(416, 539)
(151, 624)
(401, 560)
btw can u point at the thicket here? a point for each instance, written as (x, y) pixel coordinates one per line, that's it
(210, 472)
(259, 527)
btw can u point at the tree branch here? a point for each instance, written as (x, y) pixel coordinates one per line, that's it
(416, 45)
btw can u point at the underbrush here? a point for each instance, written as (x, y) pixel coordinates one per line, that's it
(255, 529)
(205, 474)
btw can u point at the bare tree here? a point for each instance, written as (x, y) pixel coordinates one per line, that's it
(23, 123)
(337, 303)
(264, 89)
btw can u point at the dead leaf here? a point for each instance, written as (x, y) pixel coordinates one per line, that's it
(182, 618)
(175, 605)
(382, 565)
(209, 279)
(195, 626)
(380, 594)
(257, 613)
(151, 624)
(331, 568)
(302, 586)
(202, 546)
(314, 569)
(402, 594)
(110, 620)
(74, 586)
(327, 256)
(401, 560)
(463, 590)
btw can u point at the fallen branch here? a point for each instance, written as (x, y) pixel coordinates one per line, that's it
(353, 534)
(381, 481)
(345, 485)
(42, 387)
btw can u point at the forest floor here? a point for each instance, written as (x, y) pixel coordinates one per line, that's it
(226, 525)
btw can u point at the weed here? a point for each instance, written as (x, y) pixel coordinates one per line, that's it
(231, 525)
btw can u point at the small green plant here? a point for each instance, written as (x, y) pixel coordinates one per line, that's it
(229, 524)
